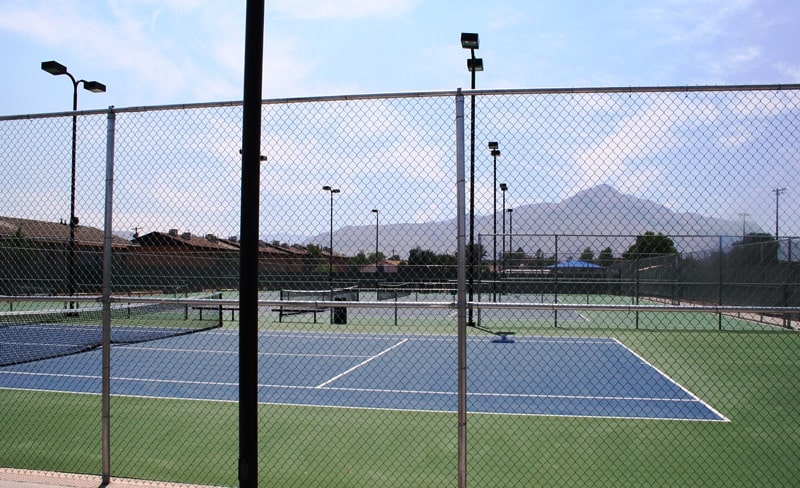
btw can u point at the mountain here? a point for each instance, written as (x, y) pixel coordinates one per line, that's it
(596, 218)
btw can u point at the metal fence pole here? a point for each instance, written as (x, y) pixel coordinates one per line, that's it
(461, 294)
(106, 334)
(248, 274)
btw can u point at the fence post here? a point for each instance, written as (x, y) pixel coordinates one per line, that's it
(248, 255)
(719, 292)
(105, 389)
(461, 298)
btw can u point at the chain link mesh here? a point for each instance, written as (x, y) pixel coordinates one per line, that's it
(633, 290)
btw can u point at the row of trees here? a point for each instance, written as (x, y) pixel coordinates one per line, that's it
(754, 248)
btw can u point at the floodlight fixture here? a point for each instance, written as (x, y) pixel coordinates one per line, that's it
(469, 40)
(94, 86)
(503, 187)
(474, 64)
(54, 68)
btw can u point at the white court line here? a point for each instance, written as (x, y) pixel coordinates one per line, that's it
(695, 397)
(236, 353)
(376, 356)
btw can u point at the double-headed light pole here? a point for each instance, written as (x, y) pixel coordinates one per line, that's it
(332, 191)
(777, 192)
(470, 41)
(494, 149)
(503, 188)
(55, 68)
(377, 226)
(510, 230)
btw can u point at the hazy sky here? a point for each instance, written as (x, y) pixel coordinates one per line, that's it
(151, 52)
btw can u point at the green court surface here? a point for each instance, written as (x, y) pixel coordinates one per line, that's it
(745, 369)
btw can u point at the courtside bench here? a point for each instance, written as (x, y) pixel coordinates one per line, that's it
(288, 311)
(218, 308)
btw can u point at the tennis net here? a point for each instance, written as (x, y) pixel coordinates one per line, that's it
(394, 291)
(31, 335)
(349, 294)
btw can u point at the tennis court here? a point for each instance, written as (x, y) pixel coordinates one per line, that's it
(567, 376)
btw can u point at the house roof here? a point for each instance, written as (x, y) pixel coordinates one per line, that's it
(185, 239)
(55, 232)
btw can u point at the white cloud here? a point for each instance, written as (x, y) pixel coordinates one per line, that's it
(621, 156)
(791, 71)
(691, 21)
(341, 9)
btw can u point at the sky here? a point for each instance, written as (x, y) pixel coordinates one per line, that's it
(151, 52)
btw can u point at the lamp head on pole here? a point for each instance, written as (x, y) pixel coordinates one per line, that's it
(474, 64)
(374, 210)
(469, 40)
(54, 67)
(503, 187)
(94, 86)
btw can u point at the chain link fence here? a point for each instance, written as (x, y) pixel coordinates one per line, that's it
(630, 266)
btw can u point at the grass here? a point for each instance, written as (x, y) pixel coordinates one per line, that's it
(747, 375)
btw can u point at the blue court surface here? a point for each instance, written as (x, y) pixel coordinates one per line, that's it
(584, 377)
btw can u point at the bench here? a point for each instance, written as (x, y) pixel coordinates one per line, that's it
(218, 308)
(287, 311)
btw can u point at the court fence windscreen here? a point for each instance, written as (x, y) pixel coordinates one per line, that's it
(629, 261)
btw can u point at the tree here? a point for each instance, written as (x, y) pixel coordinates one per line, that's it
(755, 248)
(650, 244)
(315, 259)
(359, 259)
(425, 257)
(587, 255)
(606, 257)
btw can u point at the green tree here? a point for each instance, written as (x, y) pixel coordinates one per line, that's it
(587, 255)
(606, 257)
(359, 259)
(755, 248)
(315, 259)
(650, 244)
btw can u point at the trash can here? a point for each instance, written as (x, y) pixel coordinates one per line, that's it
(339, 315)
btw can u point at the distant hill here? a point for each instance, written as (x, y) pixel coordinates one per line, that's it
(601, 211)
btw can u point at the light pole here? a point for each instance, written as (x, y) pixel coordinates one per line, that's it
(503, 188)
(494, 151)
(744, 224)
(330, 190)
(470, 41)
(375, 211)
(511, 229)
(777, 192)
(55, 68)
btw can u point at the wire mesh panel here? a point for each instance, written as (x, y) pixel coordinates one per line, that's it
(633, 294)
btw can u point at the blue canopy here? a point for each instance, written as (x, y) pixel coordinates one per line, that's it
(576, 264)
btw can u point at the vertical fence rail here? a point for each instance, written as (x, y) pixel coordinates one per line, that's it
(108, 226)
(462, 293)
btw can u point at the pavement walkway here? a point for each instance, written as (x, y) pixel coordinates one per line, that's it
(23, 478)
